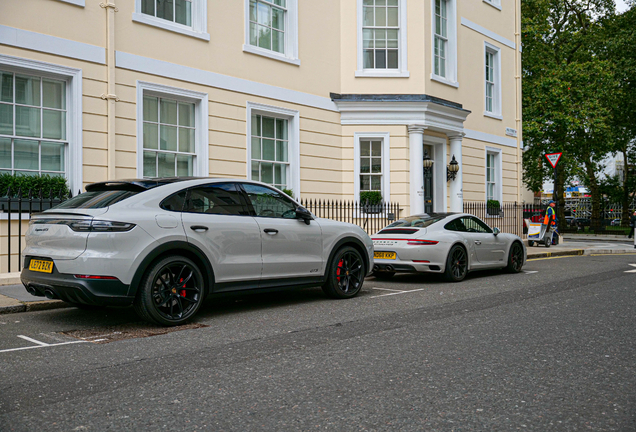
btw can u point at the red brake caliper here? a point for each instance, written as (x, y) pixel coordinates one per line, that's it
(183, 292)
(338, 270)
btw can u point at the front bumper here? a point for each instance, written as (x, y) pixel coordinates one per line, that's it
(66, 287)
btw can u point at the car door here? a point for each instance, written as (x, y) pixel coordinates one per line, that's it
(216, 219)
(291, 248)
(489, 248)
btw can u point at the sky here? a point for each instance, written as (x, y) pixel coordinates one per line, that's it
(621, 6)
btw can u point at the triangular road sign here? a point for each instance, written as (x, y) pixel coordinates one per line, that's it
(553, 158)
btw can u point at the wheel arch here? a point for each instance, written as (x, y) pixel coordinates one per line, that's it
(347, 241)
(461, 244)
(171, 249)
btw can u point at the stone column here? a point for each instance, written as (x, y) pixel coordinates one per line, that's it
(416, 156)
(456, 192)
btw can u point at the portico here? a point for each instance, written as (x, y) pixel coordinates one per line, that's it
(431, 122)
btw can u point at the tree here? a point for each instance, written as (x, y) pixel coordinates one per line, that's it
(567, 92)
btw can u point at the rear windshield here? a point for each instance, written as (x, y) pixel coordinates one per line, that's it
(96, 199)
(421, 221)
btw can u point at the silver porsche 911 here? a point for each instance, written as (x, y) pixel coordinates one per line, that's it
(449, 243)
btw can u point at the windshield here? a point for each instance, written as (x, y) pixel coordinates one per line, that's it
(96, 199)
(421, 221)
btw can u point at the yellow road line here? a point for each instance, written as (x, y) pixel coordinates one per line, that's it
(627, 253)
(555, 257)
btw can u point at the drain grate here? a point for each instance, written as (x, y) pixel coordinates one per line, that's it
(102, 335)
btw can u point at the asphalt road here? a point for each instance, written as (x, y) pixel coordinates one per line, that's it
(550, 349)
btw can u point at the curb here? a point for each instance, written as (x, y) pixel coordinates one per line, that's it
(33, 306)
(556, 253)
(10, 279)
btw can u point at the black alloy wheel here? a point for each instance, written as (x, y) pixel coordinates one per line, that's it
(456, 264)
(515, 258)
(171, 293)
(345, 275)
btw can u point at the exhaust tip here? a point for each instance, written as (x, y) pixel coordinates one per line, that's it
(32, 290)
(376, 268)
(49, 294)
(389, 268)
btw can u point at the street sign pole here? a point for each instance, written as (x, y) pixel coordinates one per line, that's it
(554, 158)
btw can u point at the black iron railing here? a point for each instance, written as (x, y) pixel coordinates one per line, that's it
(508, 217)
(370, 217)
(17, 207)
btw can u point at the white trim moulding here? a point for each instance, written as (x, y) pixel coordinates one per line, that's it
(492, 35)
(490, 138)
(198, 76)
(51, 45)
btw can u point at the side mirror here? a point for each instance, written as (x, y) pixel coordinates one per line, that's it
(495, 231)
(304, 214)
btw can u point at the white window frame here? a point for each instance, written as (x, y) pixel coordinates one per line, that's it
(199, 28)
(291, 36)
(75, 2)
(385, 137)
(73, 77)
(293, 134)
(201, 147)
(496, 108)
(494, 3)
(402, 70)
(497, 153)
(451, 46)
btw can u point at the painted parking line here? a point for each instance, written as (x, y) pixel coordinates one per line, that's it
(386, 289)
(397, 293)
(39, 344)
(631, 271)
(530, 271)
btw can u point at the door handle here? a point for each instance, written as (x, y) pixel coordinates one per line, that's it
(271, 231)
(198, 228)
(477, 242)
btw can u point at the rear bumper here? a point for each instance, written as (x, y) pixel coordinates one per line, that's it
(66, 287)
(406, 266)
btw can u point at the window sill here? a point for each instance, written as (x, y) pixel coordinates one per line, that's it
(442, 80)
(370, 73)
(270, 54)
(75, 2)
(167, 25)
(492, 115)
(496, 6)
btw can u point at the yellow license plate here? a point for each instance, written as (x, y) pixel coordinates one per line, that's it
(41, 266)
(384, 255)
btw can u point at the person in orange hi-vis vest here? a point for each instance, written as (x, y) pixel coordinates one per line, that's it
(549, 221)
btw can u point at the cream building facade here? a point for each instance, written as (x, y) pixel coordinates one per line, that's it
(326, 98)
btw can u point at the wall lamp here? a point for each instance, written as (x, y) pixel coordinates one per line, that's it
(427, 162)
(452, 169)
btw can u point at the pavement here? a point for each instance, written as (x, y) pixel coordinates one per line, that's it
(14, 298)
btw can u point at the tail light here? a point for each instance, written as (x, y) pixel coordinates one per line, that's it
(421, 242)
(88, 226)
(95, 277)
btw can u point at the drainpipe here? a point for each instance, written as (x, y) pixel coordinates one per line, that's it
(518, 124)
(111, 97)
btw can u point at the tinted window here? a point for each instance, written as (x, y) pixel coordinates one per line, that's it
(475, 225)
(216, 198)
(269, 203)
(174, 202)
(421, 221)
(96, 199)
(456, 225)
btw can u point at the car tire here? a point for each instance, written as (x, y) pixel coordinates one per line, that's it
(383, 274)
(171, 291)
(530, 243)
(515, 258)
(456, 264)
(345, 274)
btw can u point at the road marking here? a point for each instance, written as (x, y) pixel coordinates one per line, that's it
(530, 271)
(39, 344)
(611, 254)
(556, 257)
(631, 271)
(399, 292)
(33, 340)
(387, 289)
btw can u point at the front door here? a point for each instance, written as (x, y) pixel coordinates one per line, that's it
(489, 248)
(428, 183)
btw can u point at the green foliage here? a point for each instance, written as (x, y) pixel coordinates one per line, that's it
(370, 197)
(289, 192)
(493, 204)
(45, 183)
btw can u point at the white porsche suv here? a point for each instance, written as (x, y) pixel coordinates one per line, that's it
(163, 245)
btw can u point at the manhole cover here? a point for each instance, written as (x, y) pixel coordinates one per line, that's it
(102, 335)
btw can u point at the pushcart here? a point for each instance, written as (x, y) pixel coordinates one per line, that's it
(539, 233)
